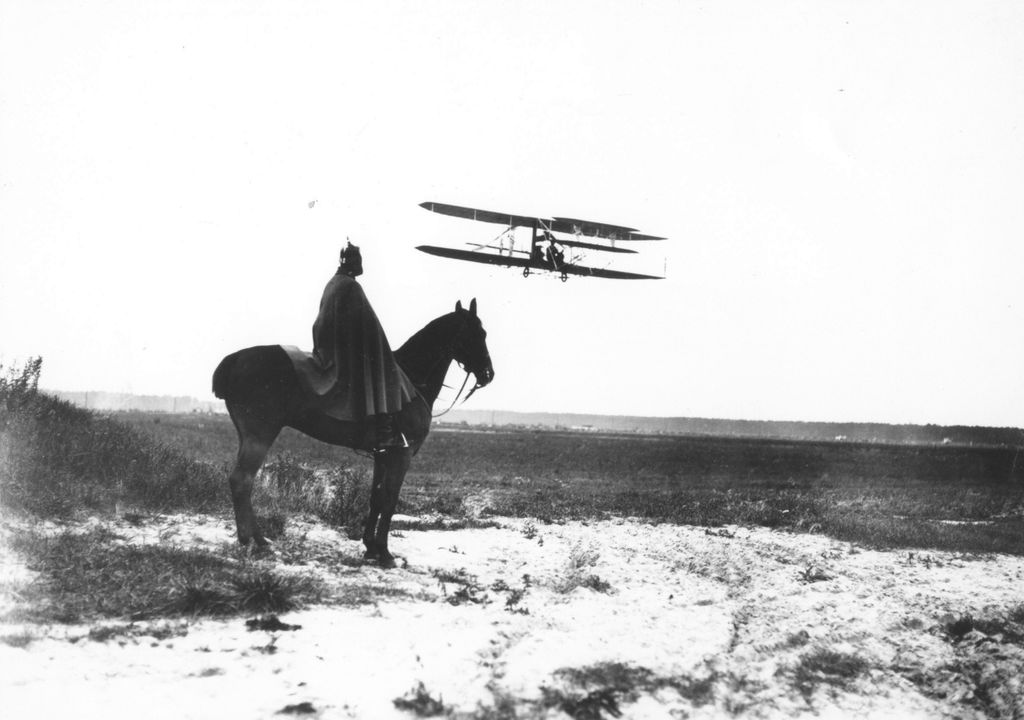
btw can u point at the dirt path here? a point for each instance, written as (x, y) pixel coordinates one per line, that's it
(580, 619)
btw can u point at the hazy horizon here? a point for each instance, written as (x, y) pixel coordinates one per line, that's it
(458, 408)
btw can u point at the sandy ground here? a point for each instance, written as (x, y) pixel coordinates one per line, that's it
(708, 623)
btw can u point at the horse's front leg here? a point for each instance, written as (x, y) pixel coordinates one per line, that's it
(392, 464)
(377, 499)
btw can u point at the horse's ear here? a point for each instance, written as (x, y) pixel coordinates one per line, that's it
(458, 306)
(472, 307)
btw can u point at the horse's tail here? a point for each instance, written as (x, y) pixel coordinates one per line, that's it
(221, 375)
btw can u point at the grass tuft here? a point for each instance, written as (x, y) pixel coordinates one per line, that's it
(421, 702)
(827, 667)
(263, 590)
(83, 576)
(577, 572)
(468, 589)
(200, 599)
(590, 693)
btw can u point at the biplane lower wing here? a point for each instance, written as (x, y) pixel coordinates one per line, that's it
(594, 246)
(474, 256)
(506, 261)
(585, 271)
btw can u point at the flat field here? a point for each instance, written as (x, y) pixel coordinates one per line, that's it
(953, 497)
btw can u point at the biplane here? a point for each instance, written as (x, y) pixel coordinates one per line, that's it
(547, 252)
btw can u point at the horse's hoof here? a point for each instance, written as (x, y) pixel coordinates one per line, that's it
(258, 548)
(388, 562)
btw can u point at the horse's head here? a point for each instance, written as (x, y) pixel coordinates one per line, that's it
(469, 347)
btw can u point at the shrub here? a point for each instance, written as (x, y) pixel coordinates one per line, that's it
(350, 500)
(339, 496)
(56, 458)
(18, 386)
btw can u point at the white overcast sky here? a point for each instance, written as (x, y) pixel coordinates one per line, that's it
(842, 183)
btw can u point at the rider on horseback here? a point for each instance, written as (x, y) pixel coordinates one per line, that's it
(349, 342)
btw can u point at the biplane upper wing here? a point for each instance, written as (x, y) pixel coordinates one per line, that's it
(474, 256)
(482, 215)
(592, 229)
(571, 226)
(641, 236)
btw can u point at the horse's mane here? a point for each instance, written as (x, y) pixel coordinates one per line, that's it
(425, 339)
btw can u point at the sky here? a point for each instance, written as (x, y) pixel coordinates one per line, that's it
(840, 183)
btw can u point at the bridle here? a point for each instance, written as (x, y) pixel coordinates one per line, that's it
(446, 353)
(449, 355)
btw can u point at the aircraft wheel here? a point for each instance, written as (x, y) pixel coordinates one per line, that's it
(564, 277)
(526, 272)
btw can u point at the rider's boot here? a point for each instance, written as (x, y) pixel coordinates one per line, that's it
(387, 434)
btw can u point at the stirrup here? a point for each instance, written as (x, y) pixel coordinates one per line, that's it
(404, 443)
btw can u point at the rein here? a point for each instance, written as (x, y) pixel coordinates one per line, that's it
(450, 407)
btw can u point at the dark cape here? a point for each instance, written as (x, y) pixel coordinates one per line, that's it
(352, 372)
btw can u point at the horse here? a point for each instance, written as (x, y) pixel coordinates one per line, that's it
(263, 395)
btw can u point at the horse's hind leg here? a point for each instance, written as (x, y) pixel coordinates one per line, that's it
(254, 440)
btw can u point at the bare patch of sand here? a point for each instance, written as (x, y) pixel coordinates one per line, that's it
(546, 620)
